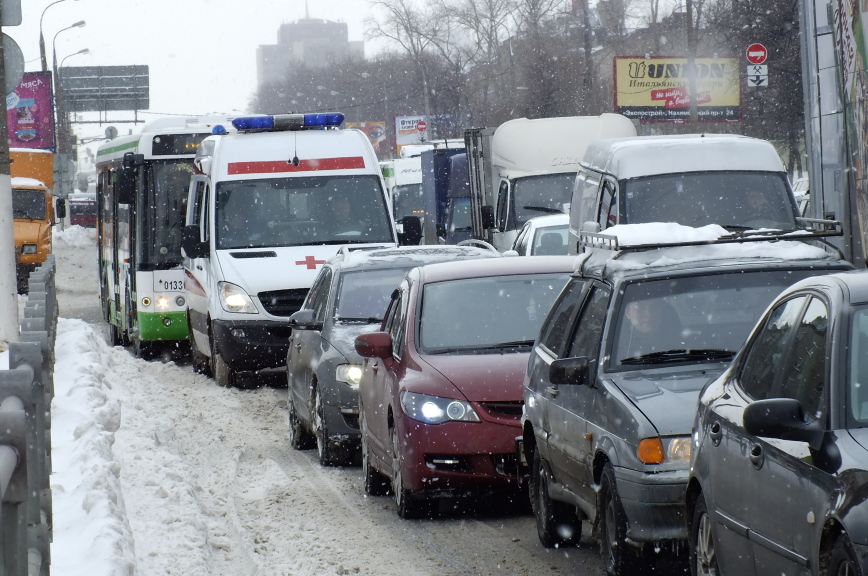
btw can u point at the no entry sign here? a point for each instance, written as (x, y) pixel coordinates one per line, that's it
(757, 53)
(422, 126)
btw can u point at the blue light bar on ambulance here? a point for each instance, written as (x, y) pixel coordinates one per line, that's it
(289, 121)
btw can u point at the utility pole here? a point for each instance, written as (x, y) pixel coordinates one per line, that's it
(8, 284)
(691, 63)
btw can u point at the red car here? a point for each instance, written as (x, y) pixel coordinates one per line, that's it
(440, 397)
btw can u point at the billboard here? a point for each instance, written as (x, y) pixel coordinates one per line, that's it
(30, 112)
(375, 130)
(655, 89)
(105, 88)
(410, 130)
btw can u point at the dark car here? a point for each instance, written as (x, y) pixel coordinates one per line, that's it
(614, 378)
(440, 395)
(348, 297)
(779, 476)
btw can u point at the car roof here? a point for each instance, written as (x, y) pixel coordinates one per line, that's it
(497, 267)
(550, 220)
(855, 282)
(406, 256)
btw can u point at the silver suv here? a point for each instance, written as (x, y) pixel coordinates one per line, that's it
(612, 383)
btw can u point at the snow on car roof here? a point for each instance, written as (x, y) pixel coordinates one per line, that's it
(29, 182)
(412, 255)
(636, 235)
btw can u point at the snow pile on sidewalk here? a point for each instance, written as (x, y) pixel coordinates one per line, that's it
(91, 534)
(75, 237)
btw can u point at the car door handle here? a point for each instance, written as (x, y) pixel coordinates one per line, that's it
(552, 390)
(715, 433)
(298, 346)
(375, 366)
(198, 266)
(757, 456)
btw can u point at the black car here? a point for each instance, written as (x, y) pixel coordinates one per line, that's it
(779, 476)
(348, 297)
(614, 377)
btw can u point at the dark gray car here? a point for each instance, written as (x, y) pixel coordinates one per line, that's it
(780, 466)
(613, 381)
(347, 298)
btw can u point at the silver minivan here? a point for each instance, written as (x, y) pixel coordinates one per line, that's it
(737, 182)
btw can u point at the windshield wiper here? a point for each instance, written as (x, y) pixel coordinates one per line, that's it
(546, 209)
(504, 345)
(333, 242)
(679, 355)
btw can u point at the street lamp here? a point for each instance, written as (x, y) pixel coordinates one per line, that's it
(82, 51)
(64, 130)
(79, 24)
(42, 39)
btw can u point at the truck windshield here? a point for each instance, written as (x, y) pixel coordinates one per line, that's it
(301, 211)
(692, 319)
(486, 315)
(29, 204)
(735, 200)
(163, 213)
(540, 195)
(408, 201)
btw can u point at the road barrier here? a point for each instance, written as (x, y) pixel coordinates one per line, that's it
(26, 390)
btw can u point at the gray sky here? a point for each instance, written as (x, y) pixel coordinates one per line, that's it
(201, 53)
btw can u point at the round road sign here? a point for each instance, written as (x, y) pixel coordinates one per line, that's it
(757, 53)
(14, 61)
(421, 126)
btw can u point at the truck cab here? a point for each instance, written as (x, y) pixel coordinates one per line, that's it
(526, 168)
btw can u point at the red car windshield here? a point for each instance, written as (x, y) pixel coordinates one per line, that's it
(486, 314)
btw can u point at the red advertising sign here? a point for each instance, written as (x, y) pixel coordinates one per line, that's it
(757, 53)
(30, 112)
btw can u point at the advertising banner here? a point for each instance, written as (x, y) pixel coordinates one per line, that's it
(375, 130)
(30, 112)
(410, 130)
(656, 89)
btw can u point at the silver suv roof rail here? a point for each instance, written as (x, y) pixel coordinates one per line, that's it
(812, 229)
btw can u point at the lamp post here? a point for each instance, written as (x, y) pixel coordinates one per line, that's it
(79, 24)
(64, 130)
(42, 38)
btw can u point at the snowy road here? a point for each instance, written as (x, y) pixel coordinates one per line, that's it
(210, 486)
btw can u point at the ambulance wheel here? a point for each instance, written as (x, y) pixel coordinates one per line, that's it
(223, 373)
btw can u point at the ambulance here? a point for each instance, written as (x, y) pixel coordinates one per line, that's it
(271, 201)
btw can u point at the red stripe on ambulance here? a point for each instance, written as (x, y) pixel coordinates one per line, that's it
(280, 166)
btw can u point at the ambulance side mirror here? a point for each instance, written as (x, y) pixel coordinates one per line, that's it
(191, 245)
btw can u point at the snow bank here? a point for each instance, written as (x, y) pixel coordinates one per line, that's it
(89, 513)
(75, 237)
(663, 233)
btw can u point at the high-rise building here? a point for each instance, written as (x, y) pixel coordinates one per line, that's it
(311, 41)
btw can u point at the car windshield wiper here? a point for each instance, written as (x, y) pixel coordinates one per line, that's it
(334, 242)
(504, 345)
(679, 355)
(368, 320)
(546, 209)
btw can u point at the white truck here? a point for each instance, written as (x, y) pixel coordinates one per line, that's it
(527, 168)
(403, 177)
(270, 204)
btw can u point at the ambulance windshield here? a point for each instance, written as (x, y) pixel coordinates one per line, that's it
(300, 211)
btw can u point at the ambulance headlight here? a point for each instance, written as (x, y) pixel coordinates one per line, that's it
(234, 299)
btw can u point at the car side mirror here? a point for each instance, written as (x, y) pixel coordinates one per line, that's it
(61, 208)
(487, 217)
(191, 246)
(304, 320)
(569, 371)
(131, 161)
(374, 345)
(782, 418)
(412, 234)
(591, 226)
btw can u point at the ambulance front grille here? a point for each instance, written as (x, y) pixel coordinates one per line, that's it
(283, 302)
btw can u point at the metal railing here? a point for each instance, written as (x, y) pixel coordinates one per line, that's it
(26, 390)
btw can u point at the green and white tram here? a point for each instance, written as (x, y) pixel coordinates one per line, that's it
(142, 183)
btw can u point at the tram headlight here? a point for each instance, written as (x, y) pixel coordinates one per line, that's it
(162, 302)
(146, 302)
(234, 299)
(180, 301)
